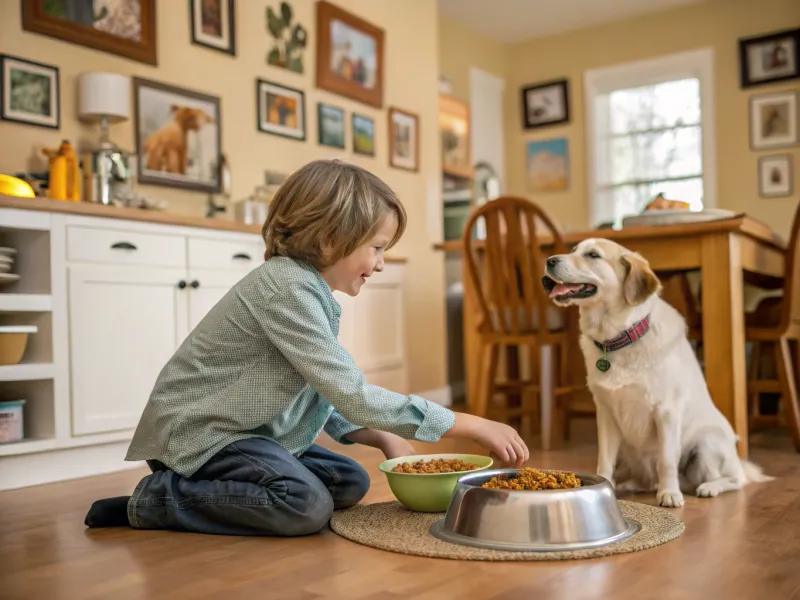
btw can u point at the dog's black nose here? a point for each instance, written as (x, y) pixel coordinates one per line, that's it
(552, 262)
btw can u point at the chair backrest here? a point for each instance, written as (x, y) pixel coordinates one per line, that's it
(791, 282)
(507, 285)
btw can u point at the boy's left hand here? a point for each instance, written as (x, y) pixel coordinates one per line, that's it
(393, 446)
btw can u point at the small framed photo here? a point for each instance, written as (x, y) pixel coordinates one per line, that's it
(214, 24)
(773, 120)
(775, 176)
(330, 125)
(548, 165)
(29, 92)
(545, 104)
(769, 58)
(281, 110)
(363, 135)
(403, 139)
(178, 136)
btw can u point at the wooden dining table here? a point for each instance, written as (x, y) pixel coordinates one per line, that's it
(725, 251)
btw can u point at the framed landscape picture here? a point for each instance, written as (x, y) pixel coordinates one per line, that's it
(122, 27)
(29, 92)
(281, 110)
(545, 104)
(769, 58)
(213, 24)
(349, 55)
(178, 136)
(363, 135)
(403, 140)
(330, 120)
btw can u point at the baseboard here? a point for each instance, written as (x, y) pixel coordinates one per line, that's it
(442, 395)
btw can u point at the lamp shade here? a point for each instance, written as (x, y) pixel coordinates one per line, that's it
(104, 95)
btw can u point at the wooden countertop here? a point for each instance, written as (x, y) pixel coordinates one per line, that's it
(742, 223)
(90, 209)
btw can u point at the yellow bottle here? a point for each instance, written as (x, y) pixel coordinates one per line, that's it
(57, 182)
(73, 172)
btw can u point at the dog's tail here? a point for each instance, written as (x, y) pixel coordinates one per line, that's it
(754, 473)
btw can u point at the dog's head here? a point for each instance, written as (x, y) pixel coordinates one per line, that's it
(599, 271)
(190, 119)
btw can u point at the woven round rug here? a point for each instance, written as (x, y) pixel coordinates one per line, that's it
(390, 526)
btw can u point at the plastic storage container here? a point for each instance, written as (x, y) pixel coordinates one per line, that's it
(11, 425)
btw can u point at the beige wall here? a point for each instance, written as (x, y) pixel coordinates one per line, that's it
(410, 83)
(717, 24)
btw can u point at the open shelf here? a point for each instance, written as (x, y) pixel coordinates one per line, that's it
(38, 415)
(31, 262)
(25, 302)
(27, 372)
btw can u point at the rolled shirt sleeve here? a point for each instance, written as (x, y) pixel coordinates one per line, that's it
(296, 322)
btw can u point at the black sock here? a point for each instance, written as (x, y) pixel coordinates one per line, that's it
(108, 512)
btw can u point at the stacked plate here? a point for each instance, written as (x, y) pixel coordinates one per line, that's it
(6, 264)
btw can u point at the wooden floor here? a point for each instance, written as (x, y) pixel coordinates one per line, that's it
(739, 545)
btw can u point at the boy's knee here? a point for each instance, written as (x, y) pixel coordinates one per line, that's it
(352, 488)
(310, 510)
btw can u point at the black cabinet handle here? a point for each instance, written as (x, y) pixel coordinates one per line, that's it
(195, 284)
(181, 284)
(242, 255)
(123, 246)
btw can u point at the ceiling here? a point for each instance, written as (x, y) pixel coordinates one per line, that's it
(517, 20)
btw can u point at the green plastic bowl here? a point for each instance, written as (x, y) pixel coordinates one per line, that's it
(428, 492)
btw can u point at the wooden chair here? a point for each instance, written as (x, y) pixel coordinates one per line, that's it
(775, 325)
(515, 311)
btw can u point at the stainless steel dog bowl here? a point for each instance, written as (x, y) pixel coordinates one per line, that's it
(533, 521)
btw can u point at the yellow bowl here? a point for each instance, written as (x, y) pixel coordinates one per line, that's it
(14, 186)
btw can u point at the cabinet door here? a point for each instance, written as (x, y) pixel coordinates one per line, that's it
(206, 288)
(379, 330)
(124, 324)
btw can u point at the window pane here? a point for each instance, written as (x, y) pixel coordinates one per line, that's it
(656, 106)
(631, 199)
(647, 156)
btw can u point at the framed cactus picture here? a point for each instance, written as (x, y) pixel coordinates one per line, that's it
(349, 55)
(288, 39)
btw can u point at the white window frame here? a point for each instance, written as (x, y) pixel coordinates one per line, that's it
(693, 64)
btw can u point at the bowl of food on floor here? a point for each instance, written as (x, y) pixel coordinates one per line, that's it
(533, 510)
(425, 482)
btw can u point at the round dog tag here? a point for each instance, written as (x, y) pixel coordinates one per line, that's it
(602, 364)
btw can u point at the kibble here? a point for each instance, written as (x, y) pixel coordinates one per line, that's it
(534, 479)
(434, 465)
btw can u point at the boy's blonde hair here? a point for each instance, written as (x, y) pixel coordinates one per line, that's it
(328, 204)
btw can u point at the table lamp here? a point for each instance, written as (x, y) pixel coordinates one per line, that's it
(104, 97)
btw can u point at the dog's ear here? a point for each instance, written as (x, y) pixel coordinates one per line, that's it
(640, 281)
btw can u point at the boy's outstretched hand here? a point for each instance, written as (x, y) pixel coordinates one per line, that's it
(502, 441)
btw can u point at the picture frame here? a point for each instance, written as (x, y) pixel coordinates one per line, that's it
(167, 117)
(403, 139)
(773, 120)
(545, 104)
(363, 135)
(547, 165)
(30, 92)
(349, 55)
(281, 110)
(775, 176)
(112, 33)
(213, 24)
(454, 137)
(769, 58)
(331, 126)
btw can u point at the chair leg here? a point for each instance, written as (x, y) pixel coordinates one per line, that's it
(753, 375)
(787, 376)
(490, 356)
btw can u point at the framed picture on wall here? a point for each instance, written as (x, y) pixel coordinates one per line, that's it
(775, 176)
(547, 165)
(403, 139)
(769, 58)
(29, 92)
(330, 125)
(281, 110)
(545, 104)
(363, 135)
(123, 28)
(454, 134)
(773, 120)
(213, 24)
(178, 136)
(349, 55)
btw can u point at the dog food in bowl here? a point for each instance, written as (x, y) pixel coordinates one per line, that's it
(435, 465)
(533, 479)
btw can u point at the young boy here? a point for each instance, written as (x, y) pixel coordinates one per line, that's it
(229, 428)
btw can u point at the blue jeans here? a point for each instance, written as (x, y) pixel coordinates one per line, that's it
(250, 487)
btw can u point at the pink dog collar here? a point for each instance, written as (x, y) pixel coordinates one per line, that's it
(626, 338)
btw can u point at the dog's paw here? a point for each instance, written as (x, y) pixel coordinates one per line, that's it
(709, 489)
(670, 499)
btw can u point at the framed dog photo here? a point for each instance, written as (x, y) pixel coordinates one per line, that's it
(403, 140)
(773, 121)
(775, 176)
(214, 24)
(769, 58)
(281, 110)
(29, 92)
(545, 104)
(363, 135)
(330, 125)
(178, 136)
